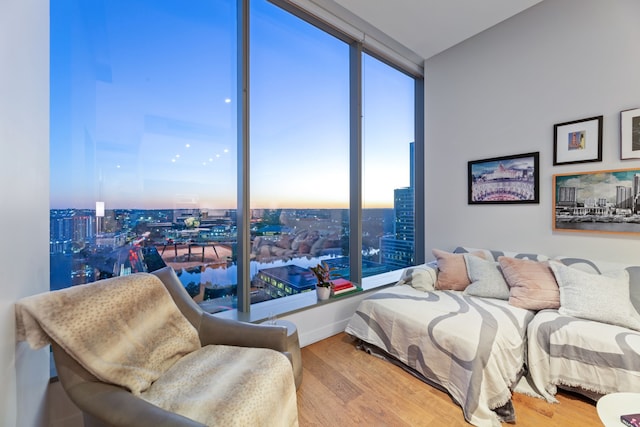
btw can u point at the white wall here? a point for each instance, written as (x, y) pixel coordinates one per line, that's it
(501, 92)
(24, 192)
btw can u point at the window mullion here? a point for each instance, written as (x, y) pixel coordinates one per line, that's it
(355, 175)
(419, 206)
(243, 212)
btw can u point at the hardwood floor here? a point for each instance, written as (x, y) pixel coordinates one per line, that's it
(344, 386)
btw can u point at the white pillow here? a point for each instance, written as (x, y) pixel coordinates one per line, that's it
(486, 279)
(421, 277)
(600, 297)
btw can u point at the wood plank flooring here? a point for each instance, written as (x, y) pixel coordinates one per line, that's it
(343, 386)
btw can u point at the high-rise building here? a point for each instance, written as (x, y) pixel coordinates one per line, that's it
(397, 250)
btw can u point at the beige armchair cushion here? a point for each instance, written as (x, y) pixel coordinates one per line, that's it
(196, 387)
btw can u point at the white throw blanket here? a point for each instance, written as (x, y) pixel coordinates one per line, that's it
(594, 356)
(473, 347)
(125, 331)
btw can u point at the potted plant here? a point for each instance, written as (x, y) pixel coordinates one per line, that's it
(322, 272)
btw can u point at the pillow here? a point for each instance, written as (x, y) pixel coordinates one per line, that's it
(486, 279)
(452, 271)
(597, 267)
(420, 277)
(600, 297)
(532, 284)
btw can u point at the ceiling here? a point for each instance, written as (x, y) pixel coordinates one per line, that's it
(427, 27)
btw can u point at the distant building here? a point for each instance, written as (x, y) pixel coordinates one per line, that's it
(111, 240)
(397, 251)
(283, 281)
(396, 254)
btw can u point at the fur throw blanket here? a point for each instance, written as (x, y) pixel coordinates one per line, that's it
(126, 330)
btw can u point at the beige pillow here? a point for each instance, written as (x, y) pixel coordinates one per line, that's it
(452, 270)
(532, 284)
(600, 297)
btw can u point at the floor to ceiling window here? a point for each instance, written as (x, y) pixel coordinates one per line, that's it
(299, 148)
(144, 149)
(388, 129)
(143, 142)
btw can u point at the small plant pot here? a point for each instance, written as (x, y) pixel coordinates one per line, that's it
(323, 293)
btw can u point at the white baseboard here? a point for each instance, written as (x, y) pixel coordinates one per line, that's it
(325, 320)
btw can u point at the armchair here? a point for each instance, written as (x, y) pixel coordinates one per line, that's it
(239, 370)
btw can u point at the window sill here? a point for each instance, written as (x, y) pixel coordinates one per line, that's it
(295, 303)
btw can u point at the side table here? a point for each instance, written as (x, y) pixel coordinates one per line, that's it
(293, 347)
(611, 406)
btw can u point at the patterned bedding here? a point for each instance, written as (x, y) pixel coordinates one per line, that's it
(472, 347)
(575, 353)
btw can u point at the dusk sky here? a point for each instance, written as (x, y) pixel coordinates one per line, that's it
(143, 107)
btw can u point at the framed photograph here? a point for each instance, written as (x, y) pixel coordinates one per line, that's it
(578, 141)
(504, 180)
(630, 134)
(601, 201)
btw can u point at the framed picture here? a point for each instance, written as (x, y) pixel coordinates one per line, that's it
(578, 141)
(630, 134)
(601, 201)
(504, 180)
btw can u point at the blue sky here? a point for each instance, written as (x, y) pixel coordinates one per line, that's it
(143, 109)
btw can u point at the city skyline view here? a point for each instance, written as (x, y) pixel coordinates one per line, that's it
(144, 156)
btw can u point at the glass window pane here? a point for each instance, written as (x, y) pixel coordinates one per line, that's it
(388, 161)
(143, 142)
(299, 152)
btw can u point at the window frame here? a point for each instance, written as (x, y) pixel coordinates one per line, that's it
(359, 44)
(357, 48)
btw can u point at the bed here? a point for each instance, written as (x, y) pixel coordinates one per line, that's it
(585, 356)
(591, 344)
(472, 347)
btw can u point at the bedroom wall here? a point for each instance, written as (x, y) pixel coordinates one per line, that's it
(501, 92)
(24, 192)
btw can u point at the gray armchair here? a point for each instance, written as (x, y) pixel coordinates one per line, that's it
(104, 404)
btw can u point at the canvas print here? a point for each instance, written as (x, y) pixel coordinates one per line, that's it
(509, 179)
(601, 201)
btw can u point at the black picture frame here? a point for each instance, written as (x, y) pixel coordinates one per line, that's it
(511, 179)
(630, 134)
(578, 141)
